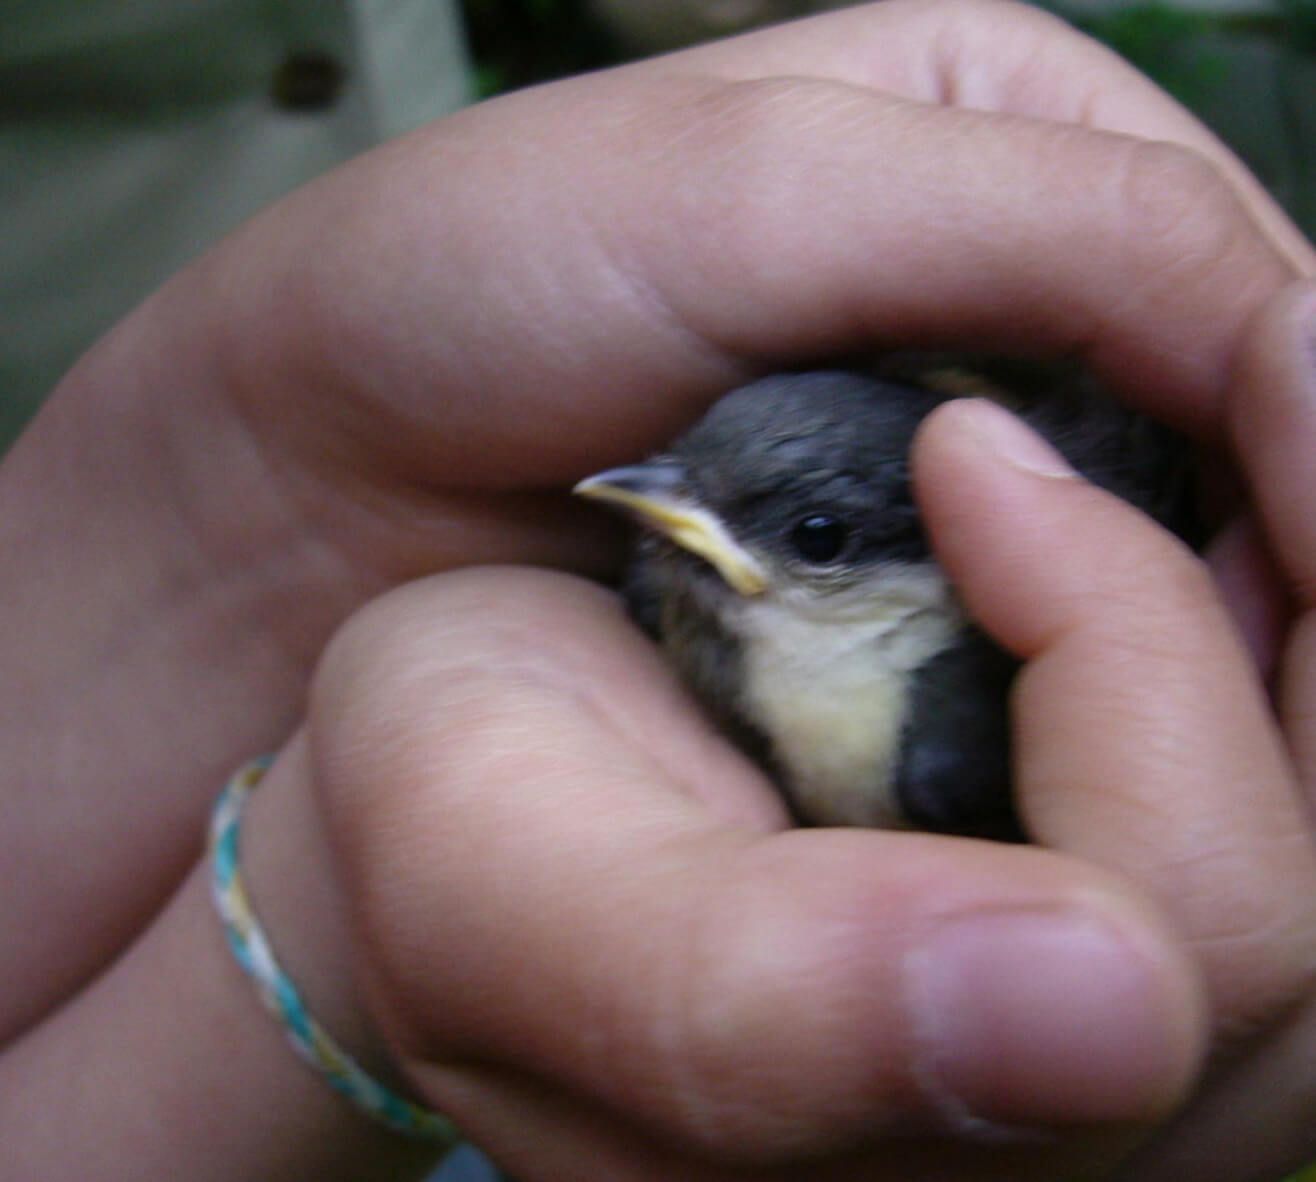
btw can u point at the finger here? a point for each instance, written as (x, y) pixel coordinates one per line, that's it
(621, 918)
(1143, 738)
(1273, 419)
(1253, 1121)
(539, 1130)
(662, 236)
(993, 56)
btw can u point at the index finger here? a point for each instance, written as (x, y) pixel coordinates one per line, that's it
(662, 232)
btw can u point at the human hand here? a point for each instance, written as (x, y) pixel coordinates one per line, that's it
(1249, 1116)
(641, 973)
(1175, 833)
(1252, 1120)
(355, 388)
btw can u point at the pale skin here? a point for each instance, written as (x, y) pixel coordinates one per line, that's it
(509, 864)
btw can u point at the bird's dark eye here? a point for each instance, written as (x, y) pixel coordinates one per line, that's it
(819, 538)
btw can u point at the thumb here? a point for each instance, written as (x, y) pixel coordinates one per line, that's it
(632, 948)
(1144, 740)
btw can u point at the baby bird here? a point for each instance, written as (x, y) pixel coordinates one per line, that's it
(784, 569)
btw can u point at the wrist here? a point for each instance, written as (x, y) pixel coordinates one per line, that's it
(167, 1065)
(163, 610)
(288, 873)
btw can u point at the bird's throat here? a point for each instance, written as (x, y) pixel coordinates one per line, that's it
(829, 691)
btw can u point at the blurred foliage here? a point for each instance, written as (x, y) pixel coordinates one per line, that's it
(1164, 42)
(1172, 43)
(1299, 18)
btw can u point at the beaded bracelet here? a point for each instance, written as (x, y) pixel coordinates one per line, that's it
(277, 992)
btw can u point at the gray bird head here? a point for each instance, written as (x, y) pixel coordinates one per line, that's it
(797, 484)
(786, 573)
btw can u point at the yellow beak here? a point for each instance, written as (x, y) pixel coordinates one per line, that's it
(658, 496)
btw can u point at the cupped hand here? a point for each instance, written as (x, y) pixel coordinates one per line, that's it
(587, 1064)
(591, 938)
(1253, 1118)
(424, 349)
(400, 368)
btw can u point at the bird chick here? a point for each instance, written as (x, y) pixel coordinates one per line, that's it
(784, 569)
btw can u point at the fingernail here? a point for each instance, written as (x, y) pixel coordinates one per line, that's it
(1045, 1018)
(1006, 436)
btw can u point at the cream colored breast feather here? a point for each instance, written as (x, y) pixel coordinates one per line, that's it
(825, 676)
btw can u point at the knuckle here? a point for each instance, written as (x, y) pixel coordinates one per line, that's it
(740, 1053)
(743, 180)
(488, 621)
(1183, 219)
(1186, 583)
(373, 655)
(1165, 592)
(452, 663)
(766, 146)
(757, 112)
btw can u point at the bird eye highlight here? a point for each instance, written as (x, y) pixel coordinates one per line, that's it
(819, 538)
